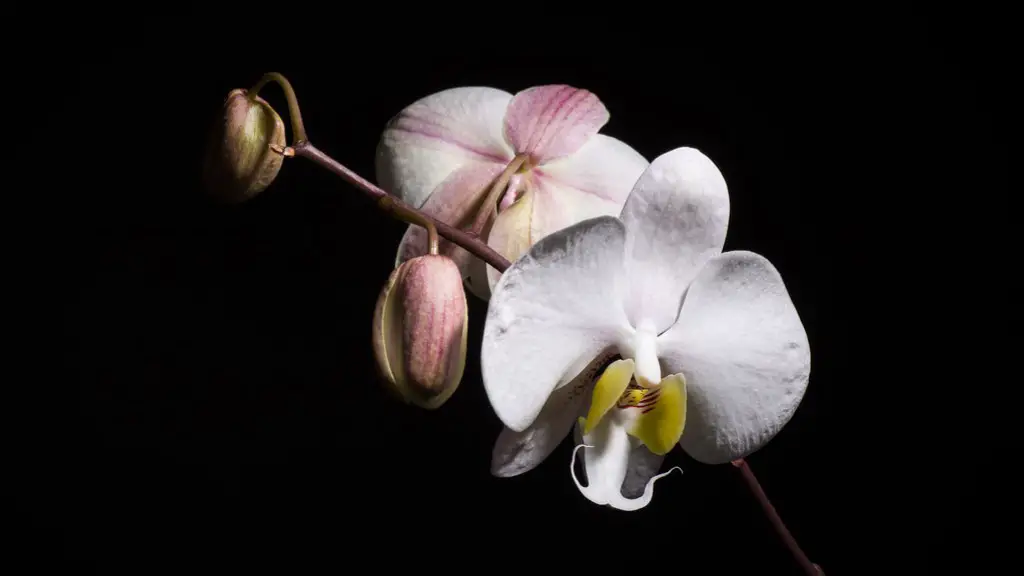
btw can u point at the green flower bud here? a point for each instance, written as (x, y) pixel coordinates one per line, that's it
(239, 161)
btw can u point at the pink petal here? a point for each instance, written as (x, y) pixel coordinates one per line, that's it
(546, 206)
(594, 181)
(604, 167)
(552, 121)
(428, 140)
(456, 201)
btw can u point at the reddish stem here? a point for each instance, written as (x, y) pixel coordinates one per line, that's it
(809, 568)
(400, 209)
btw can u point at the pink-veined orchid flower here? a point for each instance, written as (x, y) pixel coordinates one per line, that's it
(654, 288)
(511, 169)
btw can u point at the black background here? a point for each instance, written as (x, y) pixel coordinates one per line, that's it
(218, 410)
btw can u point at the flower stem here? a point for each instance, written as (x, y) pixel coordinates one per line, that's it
(403, 211)
(809, 568)
(386, 202)
(407, 214)
(298, 129)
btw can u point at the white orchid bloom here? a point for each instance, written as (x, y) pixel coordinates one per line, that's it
(512, 169)
(714, 356)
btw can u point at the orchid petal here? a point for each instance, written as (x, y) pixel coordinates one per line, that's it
(518, 452)
(606, 459)
(662, 416)
(676, 218)
(744, 353)
(643, 465)
(456, 201)
(604, 169)
(607, 391)
(552, 312)
(552, 121)
(424, 143)
(594, 181)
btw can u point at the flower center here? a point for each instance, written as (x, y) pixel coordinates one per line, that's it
(517, 186)
(636, 396)
(655, 415)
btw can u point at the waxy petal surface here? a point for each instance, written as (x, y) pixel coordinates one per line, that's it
(552, 121)
(553, 311)
(745, 355)
(676, 219)
(424, 143)
(519, 452)
(605, 169)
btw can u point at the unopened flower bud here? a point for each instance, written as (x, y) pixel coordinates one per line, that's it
(239, 160)
(419, 330)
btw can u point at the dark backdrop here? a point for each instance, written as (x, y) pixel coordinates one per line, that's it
(218, 411)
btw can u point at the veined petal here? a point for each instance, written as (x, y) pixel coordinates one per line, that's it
(745, 355)
(552, 121)
(676, 219)
(456, 201)
(424, 143)
(519, 452)
(662, 415)
(552, 312)
(592, 182)
(604, 168)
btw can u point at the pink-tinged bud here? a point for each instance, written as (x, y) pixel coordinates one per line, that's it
(239, 160)
(419, 330)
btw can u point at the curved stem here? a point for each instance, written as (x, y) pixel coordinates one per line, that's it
(406, 214)
(502, 182)
(298, 129)
(809, 568)
(396, 207)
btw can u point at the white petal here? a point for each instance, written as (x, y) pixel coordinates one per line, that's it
(676, 219)
(606, 458)
(438, 134)
(744, 352)
(642, 466)
(553, 311)
(519, 452)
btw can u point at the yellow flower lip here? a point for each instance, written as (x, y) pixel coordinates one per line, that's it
(655, 415)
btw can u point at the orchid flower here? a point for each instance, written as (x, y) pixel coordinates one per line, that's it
(712, 354)
(511, 169)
